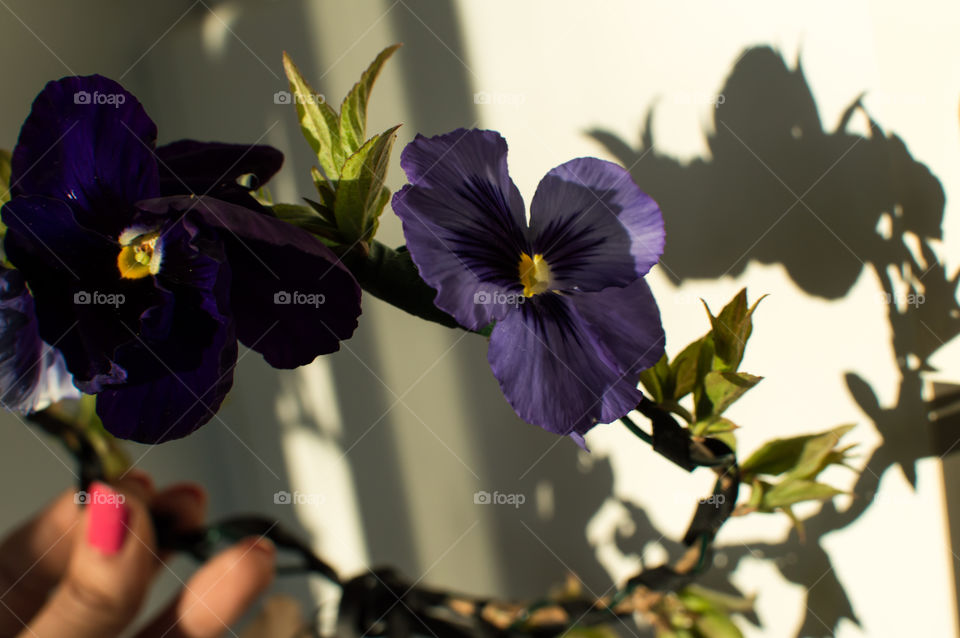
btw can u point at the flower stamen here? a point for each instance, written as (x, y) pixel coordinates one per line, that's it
(534, 274)
(140, 254)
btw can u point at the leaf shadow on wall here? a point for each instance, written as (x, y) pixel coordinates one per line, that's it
(780, 189)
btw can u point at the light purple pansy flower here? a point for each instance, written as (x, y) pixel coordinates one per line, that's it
(575, 322)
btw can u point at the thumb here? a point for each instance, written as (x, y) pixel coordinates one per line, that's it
(109, 572)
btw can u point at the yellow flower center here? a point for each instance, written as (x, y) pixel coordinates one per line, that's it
(534, 274)
(140, 253)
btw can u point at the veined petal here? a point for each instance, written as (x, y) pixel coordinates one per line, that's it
(192, 290)
(88, 142)
(177, 403)
(594, 226)
(554, 371)
(626, 323)
(291, 298)
(32, 374)
(464, 222)
(82, 305)
(180, 365)
(213, 168)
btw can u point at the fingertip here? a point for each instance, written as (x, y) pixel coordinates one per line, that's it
(220, 592)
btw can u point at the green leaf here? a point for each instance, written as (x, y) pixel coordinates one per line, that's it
(5, 159)
(708, 599)
(789, 492)
(657, 380)
(306, 218)
(327, 194)
(818, 453)
(318, 121)
(684, 369)
(595, 631)
(716, 625)
(731, 330)
(322, 210)
(723, 388)
(353, 110)
(782, 455)
(702, 407)
(757, 490)
(360, 196)
(713, 425)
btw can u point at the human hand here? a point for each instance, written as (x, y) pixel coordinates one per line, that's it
(73, 572)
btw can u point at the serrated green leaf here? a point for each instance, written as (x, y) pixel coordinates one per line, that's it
(656, 379)
(378, 206)
(353, 110)
(318, 121)
(683, 369)
(322, 210)
(360, 188)
(305, 218)
(789, 492)
(723, 388)
(702, 407)
(712, 425)
(731, 330)
(782, 455)
(327, 194)
(816, 453)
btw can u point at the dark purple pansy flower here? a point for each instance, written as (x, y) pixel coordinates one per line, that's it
(576, 323)
(147, 265)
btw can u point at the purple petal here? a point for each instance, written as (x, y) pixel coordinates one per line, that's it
(554, 371)
(626, 322)
(291, 298)
(176, 404)
(32, 374)
(192, 292)
(463, 219)
(594, 226)
(212, 168)
(82, 306)
(87, 141)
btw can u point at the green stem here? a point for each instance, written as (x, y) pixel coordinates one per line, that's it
(679, 410)
(392, 276)
(635, 429)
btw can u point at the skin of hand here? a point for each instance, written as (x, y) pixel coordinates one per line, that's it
(83, 572)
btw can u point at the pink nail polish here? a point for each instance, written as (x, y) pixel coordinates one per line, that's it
(107, 527)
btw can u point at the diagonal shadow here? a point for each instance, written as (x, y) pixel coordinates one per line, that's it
(780, 189)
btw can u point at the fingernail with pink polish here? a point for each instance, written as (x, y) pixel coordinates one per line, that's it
(107, 527)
